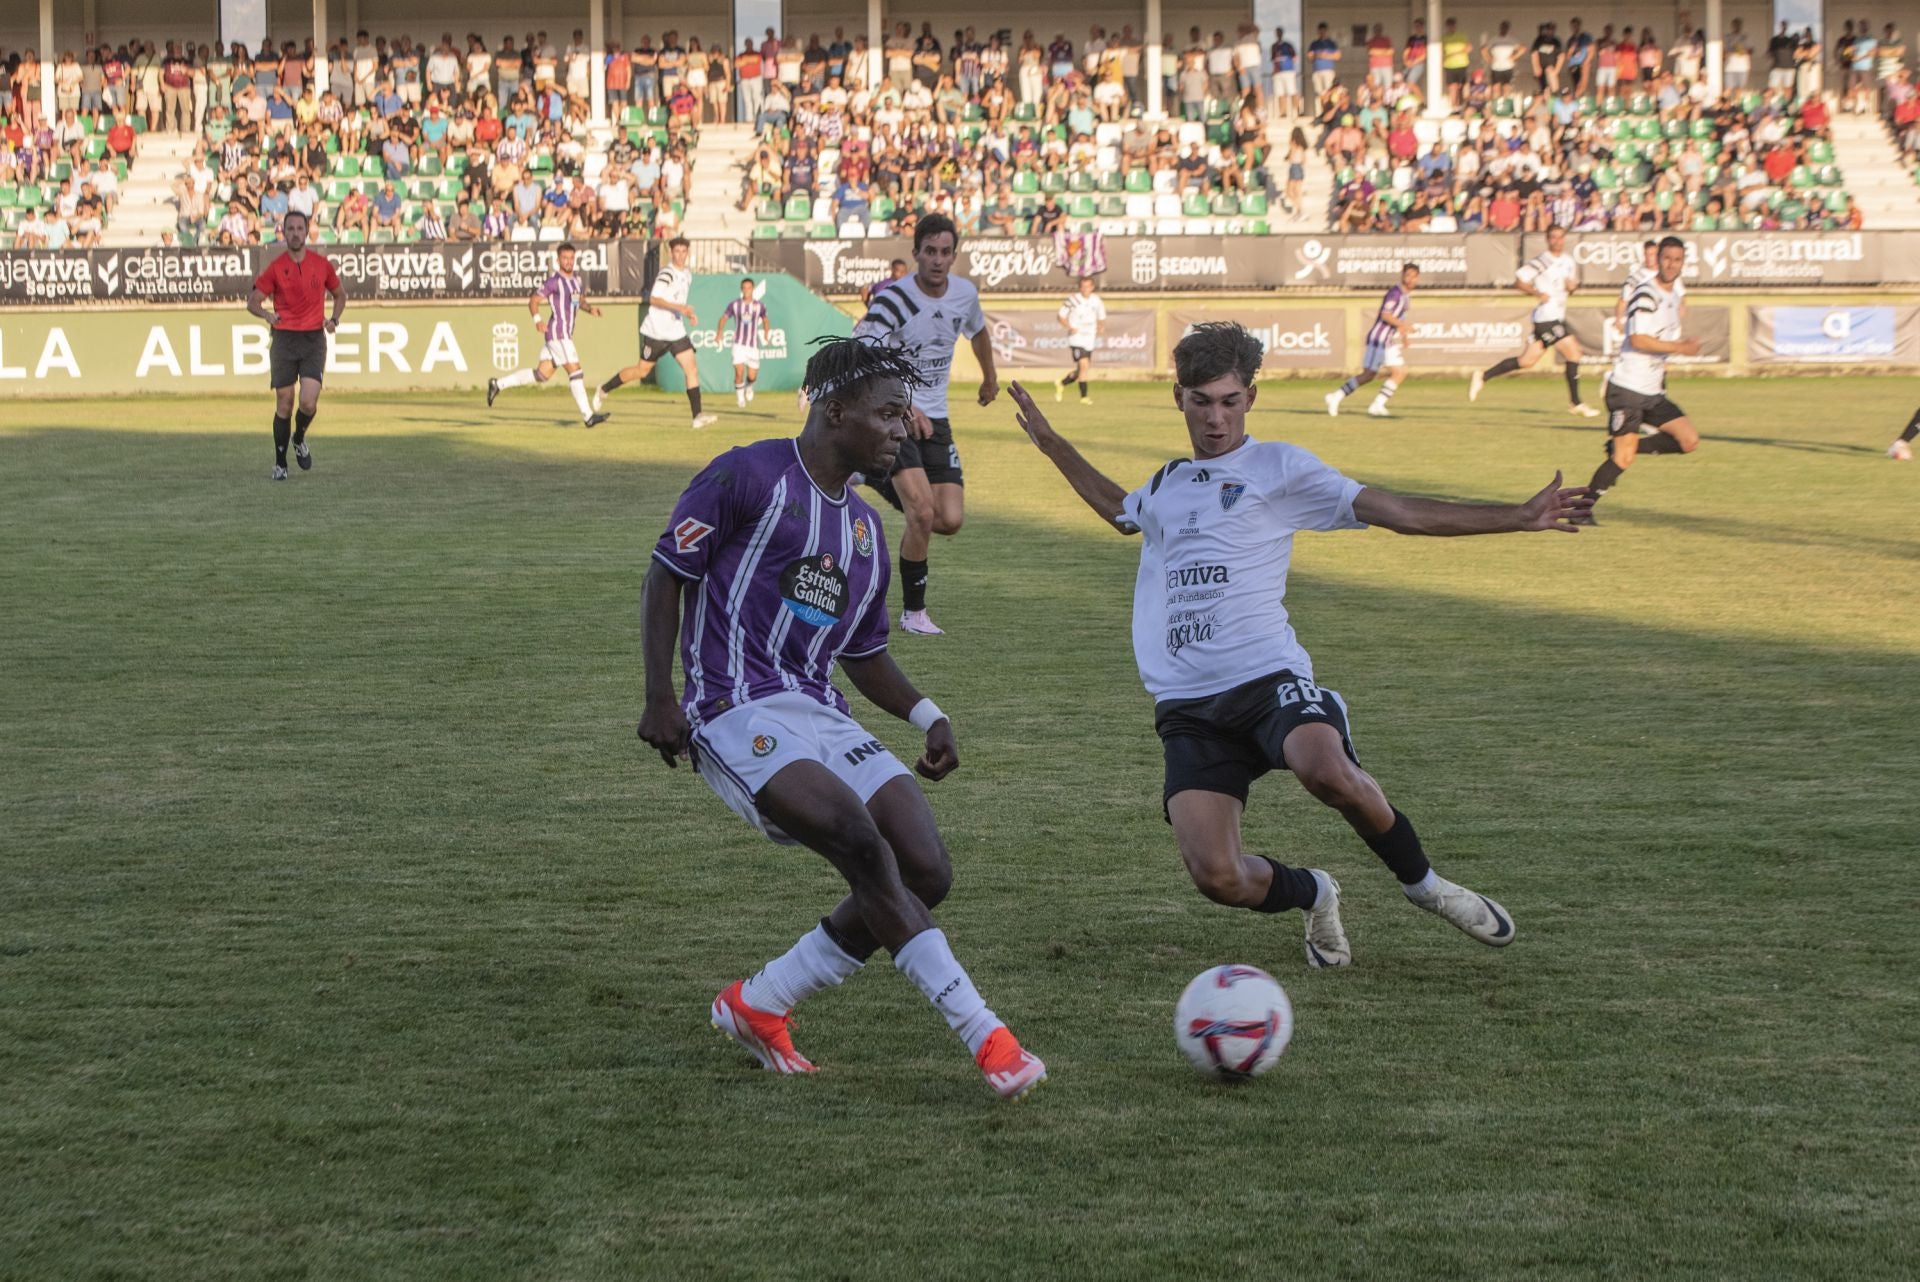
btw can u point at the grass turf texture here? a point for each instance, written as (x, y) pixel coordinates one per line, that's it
(346, 929)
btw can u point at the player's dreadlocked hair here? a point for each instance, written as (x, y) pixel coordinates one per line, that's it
(845, 367)
(1215, 349)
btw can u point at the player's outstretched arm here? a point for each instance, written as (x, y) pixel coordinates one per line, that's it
(1098, 491)
(1556, 507)
(664, 723)
(880, 679)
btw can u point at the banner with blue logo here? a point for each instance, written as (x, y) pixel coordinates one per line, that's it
(1835, 335)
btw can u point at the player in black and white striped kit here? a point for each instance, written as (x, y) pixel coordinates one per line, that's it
(663, 332)
(1637, 394)
(925, 315)
(1085, 317)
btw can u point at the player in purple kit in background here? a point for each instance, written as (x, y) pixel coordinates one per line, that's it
(1386, 347)
(784, 569)
(564, 295)
(895, 270)
(748, 317)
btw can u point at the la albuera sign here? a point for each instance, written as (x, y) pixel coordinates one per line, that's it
(377, 348)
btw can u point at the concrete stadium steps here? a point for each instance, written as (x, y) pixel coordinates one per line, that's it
(147, 203)
(715, 189)
(1871, 169)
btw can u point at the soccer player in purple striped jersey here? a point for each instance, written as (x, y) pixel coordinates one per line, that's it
(783, 569)
(1386, 347)
(746, 318)
(564, 295)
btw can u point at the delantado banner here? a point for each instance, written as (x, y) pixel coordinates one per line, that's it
(449, 271)
(1452, 335)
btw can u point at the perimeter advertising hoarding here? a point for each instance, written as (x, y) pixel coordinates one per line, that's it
(795, 317)
(1833, 335)
(1760, 258)
(1462, 334)
(382, 348)
(1601, 339)
(1033, 339)
(1295, 338)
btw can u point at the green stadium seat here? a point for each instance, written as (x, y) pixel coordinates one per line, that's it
(973, 114)
(422, 188)
(1025, 114)
(330, 143)
(822, 231)
(1080, 182)
(370, 167)
(30, 196)
(1139, 182)
(1254, 204)
(1640, 175)
(1827, 176)
(1606, 178)
(1082, 207)
(1837, 202)
(1611, 105)
(881, 209)
(1113, 206)
(139, 123)
(346, 167)
(428, 166)
(1819, 152)
(1226, 205)
(449, 189)
(799, 208)
(767, 232)
(1022, 226)
(1648, 130)
(768, 211)
(1258, 227)
(1111, 181)
(1801, 178)
(633, 115)
(1195, 206)
(94, 148)
(540, 163)
(657, 117)
(1706, 222)
(9, 198)
(1220, 133)
(1702, 129)
(1640, 104)
(1055, 182)
(353, 236)
(457, 165)
(1792, 210)
(1026, 182)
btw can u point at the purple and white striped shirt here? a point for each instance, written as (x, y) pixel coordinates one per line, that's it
(563, 294)
(1394, 305)
(786, 580)
(746, 314)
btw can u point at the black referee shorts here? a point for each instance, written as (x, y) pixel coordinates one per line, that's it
(298, 354)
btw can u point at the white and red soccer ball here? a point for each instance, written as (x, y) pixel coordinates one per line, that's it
(1233, 1022)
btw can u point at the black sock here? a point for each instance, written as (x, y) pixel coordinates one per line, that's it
(1507, 366)
(282, 432)
(1660, 443)
(841, 942)
(1291, 888)
(1399, 849)
(302, 420)
(693, 399)
(611, 385)
(1572, 370)
(1605, 477)
(913, 583)
(1071, 376)
(1913, 428)
(1083, 389)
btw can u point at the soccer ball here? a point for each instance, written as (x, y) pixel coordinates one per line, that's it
(1233, 1022)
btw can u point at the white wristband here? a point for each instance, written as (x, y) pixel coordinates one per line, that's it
(924, 714)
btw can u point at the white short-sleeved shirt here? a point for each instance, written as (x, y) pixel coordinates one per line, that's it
(1555, 275)
(926, 329)
(670, 286)
(1636, 278)
(1216, 541)
(1654, 311)
(1083, 314)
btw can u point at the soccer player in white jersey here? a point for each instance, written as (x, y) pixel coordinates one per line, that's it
(1637, 392)
(745, 318)
(783, 569)
(925, 315)
(1549, 277)
(564, 295)
(663, 331)
(1649, 268)
(1387, 344)
(1236, 695)
(1085, 316)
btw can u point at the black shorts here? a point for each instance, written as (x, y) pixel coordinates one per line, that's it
(1627, 410)
(298, 354)
(654, 350)
(937, 456)
(1549, 333)
(1223, 742)
(1500, 77)
(1081, 354)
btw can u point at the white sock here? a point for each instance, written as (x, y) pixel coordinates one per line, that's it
(749, 393)
(740, 394)
(929, 963)
(1325, 892)
(1426, 888)
(578, 382)
(519, 378)
(813, 964)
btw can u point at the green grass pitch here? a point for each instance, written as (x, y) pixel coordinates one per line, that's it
(346, 930)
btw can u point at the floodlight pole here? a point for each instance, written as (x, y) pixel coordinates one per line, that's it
(323, 60)
(47, 58)
(1150, 63)
(596, 59)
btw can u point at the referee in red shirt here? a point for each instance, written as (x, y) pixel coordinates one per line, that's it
(295, 282)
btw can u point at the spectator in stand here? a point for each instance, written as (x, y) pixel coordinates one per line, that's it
(1456, 56)
(499, 221)
(303, 198)
(465, 225)
(122, 142)
(1323, 58)
(387, 209)
(1285, 59)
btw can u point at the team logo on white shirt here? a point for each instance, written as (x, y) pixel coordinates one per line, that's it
(1230, 492)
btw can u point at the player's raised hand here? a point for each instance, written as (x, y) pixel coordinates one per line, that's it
(1557, 507)
(1029, 417)
(664, 726)
(941, 758)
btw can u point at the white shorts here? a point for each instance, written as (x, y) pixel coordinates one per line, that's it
(1386, 355)
(1286, 84)
(742, 749)
(748, 356)
(560, 351)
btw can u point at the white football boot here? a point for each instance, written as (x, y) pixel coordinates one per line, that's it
(1471, 911)
(1326, 937)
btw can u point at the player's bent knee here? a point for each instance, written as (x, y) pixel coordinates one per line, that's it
(929, 880)
(1338, 785)
(1222, 880)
